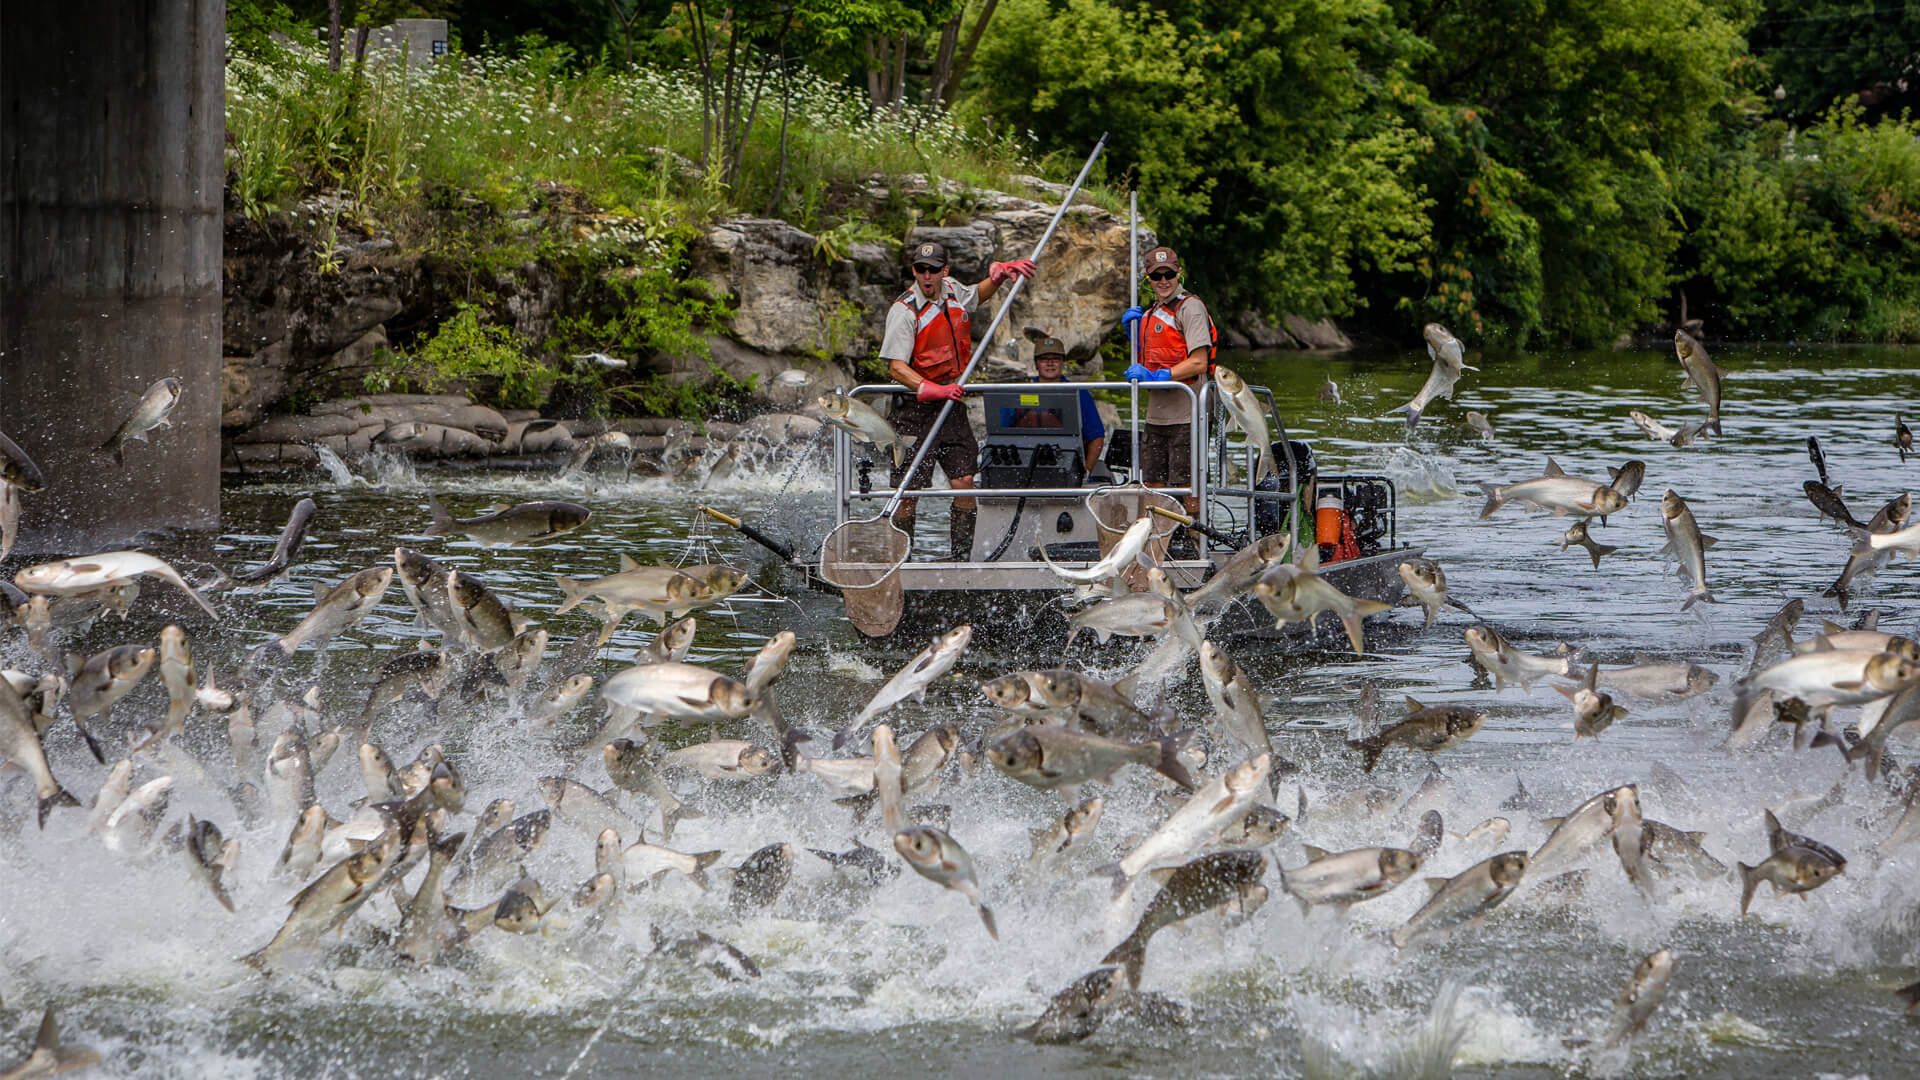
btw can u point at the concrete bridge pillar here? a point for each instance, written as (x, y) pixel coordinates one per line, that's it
(112, 135)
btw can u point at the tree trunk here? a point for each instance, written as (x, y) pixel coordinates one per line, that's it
(703, 63)
(333, 35)
(966, 54)
(943, 60)
(899, 88)
(780, 172)
(879, 63)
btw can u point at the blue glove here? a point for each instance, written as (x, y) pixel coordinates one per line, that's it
(1162, 375)
(1131, 316)
(1139, 371)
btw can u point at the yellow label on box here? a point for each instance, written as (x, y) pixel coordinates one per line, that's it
(1029, 399)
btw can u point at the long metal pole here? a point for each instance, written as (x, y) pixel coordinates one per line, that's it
(1133, 339)
(980, 348)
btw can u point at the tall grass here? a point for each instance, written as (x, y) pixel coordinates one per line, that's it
(497, 128)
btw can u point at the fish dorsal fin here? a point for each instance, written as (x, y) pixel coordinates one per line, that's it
(496, 507)
(1314, 854)
(1593, 678)
(1125, 686)
(1435, 884)
(48, 1037)
(1554, 469)
(1820, 643)
(1613, 474)
(1827, 628)
(1773, 824)
(1871, 620)
(627, 563)
(1413, 704)
(1163, 875)
(1707, 541)
(1551, 822)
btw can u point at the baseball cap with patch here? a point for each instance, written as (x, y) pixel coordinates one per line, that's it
(1049, 346)
(929, 253)
(1162, 257)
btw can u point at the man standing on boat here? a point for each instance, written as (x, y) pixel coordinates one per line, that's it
(928, 342)
(1176, 342)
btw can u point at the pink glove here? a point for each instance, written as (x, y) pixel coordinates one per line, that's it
(1000, 272)
(933, 391)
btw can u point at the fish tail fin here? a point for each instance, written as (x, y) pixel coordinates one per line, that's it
(1597, 550)
(702, 860)
(672, 817)
(1118, 877)
(1696, 598)
(1909, 994)
(1873, 752)
(1714, 423)
(442, 521)
(1494, 499)
(986, 917)
(62, 797)
(1370, 752)
(93, 744)
(573, 590)
(1169, 764)
(1356, 634)
(1130, 954)
(845, 735)
(1749, 881)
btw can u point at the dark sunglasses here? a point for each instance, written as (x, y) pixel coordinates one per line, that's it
(923, 268)
(1164, 275)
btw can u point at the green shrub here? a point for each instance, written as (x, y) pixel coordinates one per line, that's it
(464, 352)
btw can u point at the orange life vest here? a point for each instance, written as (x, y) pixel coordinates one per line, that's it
(942, 336)
(1162, 345)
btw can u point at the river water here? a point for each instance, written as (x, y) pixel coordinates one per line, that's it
(902, 978)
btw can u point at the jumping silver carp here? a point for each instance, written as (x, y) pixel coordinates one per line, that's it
(149, 412)
(858, 419)
(70, 577)
(1248, 415)
(1688, 544)
(1466, 897)
(1449, 361)
(291, 537)
(940, 859)
(1227, 878)
(910, 681)
(1701, 372)
(510, 526)
(1349, 877)
(1556, 492)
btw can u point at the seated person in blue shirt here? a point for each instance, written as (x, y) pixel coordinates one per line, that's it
(1049, 361)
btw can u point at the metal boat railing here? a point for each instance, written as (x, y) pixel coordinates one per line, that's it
(1278, 430)
(845, 491)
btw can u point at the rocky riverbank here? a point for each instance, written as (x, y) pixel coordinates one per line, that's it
(302, 333)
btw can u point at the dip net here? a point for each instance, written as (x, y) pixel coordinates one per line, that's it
(862, 559)
(1115, 509)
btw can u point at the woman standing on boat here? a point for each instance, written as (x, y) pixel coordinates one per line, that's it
(927, 345)
(1177, 344)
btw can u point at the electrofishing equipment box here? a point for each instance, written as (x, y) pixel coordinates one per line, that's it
(1033, 439)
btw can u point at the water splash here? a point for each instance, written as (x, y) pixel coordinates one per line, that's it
(1419, 478)
(1426, 1052)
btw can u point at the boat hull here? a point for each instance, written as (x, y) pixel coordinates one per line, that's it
(1010, 603)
